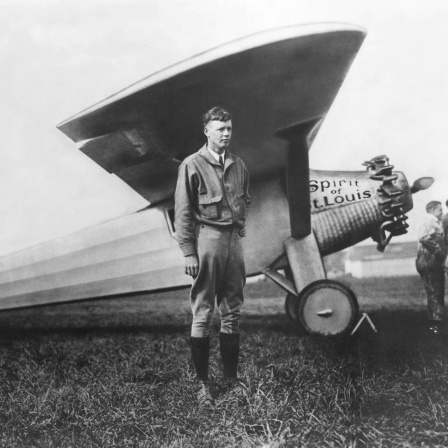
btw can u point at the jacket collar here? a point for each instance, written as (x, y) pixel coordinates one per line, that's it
(205, 153)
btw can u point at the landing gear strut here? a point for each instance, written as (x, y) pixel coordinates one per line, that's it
(290, 301)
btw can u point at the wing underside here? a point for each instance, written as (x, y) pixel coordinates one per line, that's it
(269, 81)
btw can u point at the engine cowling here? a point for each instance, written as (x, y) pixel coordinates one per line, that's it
(349, 206)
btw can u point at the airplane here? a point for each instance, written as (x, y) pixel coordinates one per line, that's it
(279, 85)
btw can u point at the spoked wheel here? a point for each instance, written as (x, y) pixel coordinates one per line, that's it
(327, 308)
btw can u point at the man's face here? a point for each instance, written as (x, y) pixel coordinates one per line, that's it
(438, 212)
(218, 135)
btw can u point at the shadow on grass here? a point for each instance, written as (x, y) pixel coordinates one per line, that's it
(24, 333)
(401, 328)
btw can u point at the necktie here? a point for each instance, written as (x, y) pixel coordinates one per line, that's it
(221, 161)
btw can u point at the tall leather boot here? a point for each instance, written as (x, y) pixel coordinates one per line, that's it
(229, 345)
(200, 350)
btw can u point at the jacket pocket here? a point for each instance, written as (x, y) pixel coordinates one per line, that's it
(209, 206)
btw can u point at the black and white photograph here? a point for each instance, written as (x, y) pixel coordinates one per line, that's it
(223, 224)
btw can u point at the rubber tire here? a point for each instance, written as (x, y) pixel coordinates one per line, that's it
(290, 307)
(346, 302)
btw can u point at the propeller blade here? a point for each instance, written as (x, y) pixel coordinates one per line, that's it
(422, 184)
(299, 138)
(298, 187)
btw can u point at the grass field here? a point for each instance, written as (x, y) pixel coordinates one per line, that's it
(117, 373)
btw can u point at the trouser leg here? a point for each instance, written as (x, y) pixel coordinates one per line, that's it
(230, 301)
(435, 288)
(230, 293)
(202, 299)
(434, 282)
(212, 249)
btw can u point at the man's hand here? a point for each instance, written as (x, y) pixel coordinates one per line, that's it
(242, 232)
(192, 265)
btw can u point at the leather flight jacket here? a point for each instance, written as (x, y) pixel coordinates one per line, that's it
(209, 194)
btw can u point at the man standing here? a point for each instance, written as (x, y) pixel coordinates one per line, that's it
(211, 203)
(430, 264)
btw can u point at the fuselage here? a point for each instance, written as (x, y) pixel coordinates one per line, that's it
(345, 209)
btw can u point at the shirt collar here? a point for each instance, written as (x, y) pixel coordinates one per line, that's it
(433, 217)
(216, 156)
(205, 153)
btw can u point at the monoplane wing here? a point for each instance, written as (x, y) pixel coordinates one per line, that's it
(270, 81)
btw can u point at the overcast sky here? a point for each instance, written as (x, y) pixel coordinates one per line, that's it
(59, 57)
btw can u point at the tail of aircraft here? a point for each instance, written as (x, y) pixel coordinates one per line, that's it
(130, 254)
